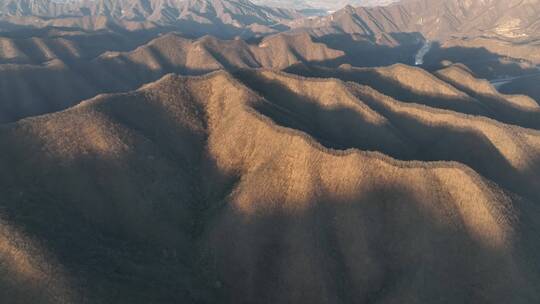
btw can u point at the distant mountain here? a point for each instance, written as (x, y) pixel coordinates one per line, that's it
(145, 160)
(33, 89)
(205, 15)
(439, 19)
(479, 33)
(323, 6)
(263, 187)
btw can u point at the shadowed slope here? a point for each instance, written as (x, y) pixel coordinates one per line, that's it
(405, 83)
(461, 76)
(121, 174)
(453, 88)
(202, 197)
(506, 154)
(528, 86)
(437, 19)
(300, 206)
(36, 50)
(326, 110)
(224, 18)
(517, 109)
(505, 28)
(28, 90)
(42, 45)
(27, 275)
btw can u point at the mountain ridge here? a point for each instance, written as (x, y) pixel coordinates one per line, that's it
(220, 151)
(288, 182)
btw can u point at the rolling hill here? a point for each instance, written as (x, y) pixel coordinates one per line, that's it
(220, 151)
(245, 189)
(33, 89)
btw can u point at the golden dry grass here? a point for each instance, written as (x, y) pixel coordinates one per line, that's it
(458, 74)
(210, 173)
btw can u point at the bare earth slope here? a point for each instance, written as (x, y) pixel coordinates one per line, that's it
(230, 191)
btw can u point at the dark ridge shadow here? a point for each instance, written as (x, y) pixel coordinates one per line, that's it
(501, 109)
(36, 90)
(366, 249)
(338, 128)
(391, 88)
(124, 228)
(527, 86)
(481, 61)
(188, 29)
(450, 143)
(88, 44)
(40, 89)
(22, 31)
(362, 51)
(401, 137)
(222, 59)
(7, 27)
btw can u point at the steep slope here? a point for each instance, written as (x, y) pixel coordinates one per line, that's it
(223, 201)
(527, 50)
(322, 6)
(36, 50)
(453, 88)
(28, 90)
(503, 153)
(219, 17)
(39, 46)
(460, 76)
(527, 85)
(438, 19)
(498, 27)
(27, 274)
(390, 127)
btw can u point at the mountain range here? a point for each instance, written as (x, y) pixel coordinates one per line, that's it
(322, 6)
(221, 151)
(489, 36)
(210, 16)
(245, 187)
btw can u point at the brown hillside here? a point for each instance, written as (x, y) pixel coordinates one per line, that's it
(226, 196)
(460, 76)
(517, 109)
(527, 86)
(224, 18)
(39, 46)
(33, 89)
(437, 19)
(460, 91)
(405, 83)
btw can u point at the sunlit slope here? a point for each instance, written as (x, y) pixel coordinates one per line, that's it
(235, 192)
(33, 89)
